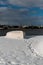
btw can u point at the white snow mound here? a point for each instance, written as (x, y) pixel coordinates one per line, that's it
(37, 45)
(15, 35)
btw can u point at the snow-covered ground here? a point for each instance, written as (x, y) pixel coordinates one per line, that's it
(21, 52)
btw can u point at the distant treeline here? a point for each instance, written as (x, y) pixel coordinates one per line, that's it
(20, 27)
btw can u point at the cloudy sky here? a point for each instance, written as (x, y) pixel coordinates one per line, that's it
(21, 12)
(27, 2)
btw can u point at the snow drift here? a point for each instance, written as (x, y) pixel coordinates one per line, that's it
(15, 35)
(21, 52)
(37, 45)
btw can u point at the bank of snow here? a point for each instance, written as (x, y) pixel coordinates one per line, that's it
(37, 45)
(22, 51)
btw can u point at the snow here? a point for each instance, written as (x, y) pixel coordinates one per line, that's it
(37, 45)
(15, 35)
(21, 52)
